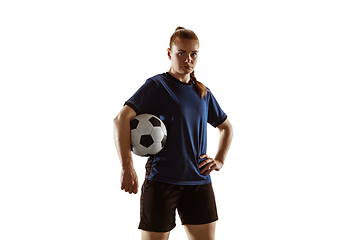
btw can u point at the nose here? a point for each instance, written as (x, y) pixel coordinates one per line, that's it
(188, 59)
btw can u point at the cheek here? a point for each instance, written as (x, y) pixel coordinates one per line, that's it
(177, 59)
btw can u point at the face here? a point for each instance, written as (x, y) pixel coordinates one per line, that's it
(183, 56)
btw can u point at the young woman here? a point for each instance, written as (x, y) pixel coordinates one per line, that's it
(178, 176)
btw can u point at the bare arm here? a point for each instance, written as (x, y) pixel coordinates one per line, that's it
(226, 135)
(129, 181)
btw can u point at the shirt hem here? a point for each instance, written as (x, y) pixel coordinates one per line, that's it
(130, 104)
(201, 182)
(220, 122)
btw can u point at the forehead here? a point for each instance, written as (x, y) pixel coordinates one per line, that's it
(187, 45)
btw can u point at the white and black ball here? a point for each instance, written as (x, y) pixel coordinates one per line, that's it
(148, 135)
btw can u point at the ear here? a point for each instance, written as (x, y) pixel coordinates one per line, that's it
(169, 53)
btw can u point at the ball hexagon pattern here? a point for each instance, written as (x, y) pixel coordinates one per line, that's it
(148, 135)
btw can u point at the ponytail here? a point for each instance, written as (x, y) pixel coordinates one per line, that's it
(200, 88)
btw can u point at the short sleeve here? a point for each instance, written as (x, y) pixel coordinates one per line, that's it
(144, 100)
(216, 115)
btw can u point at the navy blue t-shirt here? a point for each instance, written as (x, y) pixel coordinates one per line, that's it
(185, 116)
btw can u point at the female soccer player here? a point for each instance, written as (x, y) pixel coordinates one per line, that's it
(178, 176)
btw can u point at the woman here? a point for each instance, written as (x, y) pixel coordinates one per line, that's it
(178, 176)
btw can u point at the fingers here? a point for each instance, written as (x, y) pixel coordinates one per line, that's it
(209, 168)
(130, 187)
(212, 168)
(209, 165)
(205, 162)
(136, 187)
(129, 181)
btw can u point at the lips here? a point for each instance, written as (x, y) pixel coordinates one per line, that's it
(187, 66)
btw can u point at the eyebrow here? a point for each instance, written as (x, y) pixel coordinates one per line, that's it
(180, 50)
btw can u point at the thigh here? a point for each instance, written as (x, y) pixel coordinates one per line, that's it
(201, 232)
(197, 205)
(158, 205)
(146, 235)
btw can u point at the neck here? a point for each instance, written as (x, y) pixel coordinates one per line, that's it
(185, 78)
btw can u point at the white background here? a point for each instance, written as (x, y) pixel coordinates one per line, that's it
(285, 72)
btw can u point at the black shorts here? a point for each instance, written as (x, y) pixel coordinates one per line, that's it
(195, 204)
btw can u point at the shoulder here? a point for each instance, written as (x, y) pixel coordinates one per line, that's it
(209, 94)
(157, 79)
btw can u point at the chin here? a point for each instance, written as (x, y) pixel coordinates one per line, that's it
(186, 70)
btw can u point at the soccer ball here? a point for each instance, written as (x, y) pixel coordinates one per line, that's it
(148, 135)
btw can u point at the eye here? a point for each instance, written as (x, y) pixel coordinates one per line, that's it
(194, 54)
(181, 54)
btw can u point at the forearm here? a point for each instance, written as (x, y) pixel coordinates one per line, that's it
(122, 143)
(122, 138)
(226, 135)
(128, 179)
